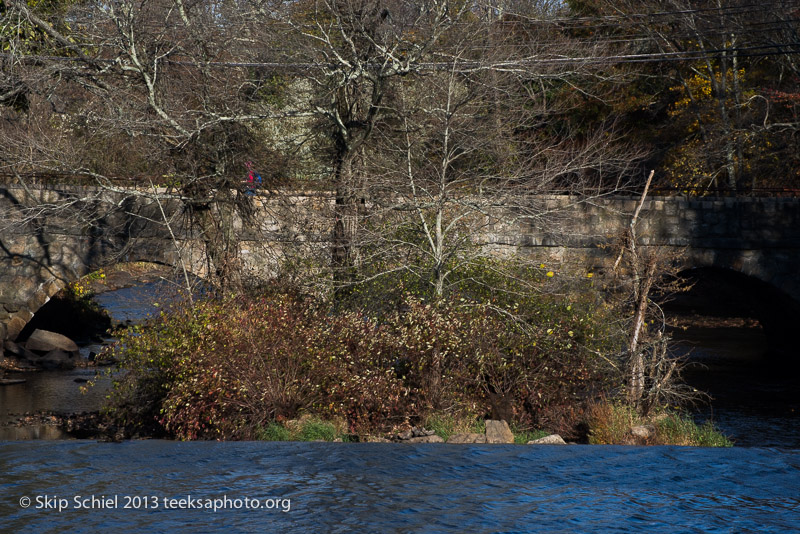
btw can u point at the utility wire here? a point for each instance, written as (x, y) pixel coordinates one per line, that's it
(688, 55)
(541, 51)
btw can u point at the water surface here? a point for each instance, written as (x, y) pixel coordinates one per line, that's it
(754, 399)
(402, 488)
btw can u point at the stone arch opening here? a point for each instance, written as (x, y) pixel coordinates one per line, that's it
(72, 310)
(729, 298)
(737, 332)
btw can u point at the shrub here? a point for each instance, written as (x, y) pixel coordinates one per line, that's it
(228, 368)
(610, 423)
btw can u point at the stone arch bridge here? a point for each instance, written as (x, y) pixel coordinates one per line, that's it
(53, 235)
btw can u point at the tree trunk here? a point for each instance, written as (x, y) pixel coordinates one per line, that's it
(636, 387)
(218, 232)
(343, 252)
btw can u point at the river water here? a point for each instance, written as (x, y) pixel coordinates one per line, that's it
(755, 399)
(327, 487)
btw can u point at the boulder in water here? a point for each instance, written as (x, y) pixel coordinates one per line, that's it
(18, 351)
(46, 341)
(17, 358)
(57, 359)
(552, 439)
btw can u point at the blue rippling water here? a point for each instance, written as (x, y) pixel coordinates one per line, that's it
(323, 487)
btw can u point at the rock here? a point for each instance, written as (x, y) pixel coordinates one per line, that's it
(18, 351)
(425, 439)
(98, 286)
(40, 298)
(57, 359)
(408, 434)
(498, 432)
(642, 431)
(552, 439)
(11, 381)
(8, 308)
(14, 326)
(46, 341)
(415, 432)
(51, 288)
(467, 438)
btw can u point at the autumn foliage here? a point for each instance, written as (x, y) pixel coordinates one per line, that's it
(226, 369)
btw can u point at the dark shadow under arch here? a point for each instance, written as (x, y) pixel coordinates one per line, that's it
(84, 324)
(725, 293)
(739, 335)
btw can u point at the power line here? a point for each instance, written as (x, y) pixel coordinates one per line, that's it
(690, 55)
(619, 20)
(573, 23)
(760, 27)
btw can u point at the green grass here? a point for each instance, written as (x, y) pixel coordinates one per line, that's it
(611, 423)
(274, 432)
(311, 429)
(316, 430)
(682, 430)
(445, 425)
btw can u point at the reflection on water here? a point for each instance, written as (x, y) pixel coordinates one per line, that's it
(754, 399)
(386, 488)
(55, 391)
(60, 391)
(49, 391)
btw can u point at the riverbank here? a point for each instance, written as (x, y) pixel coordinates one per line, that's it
(245, 368)
(665, 429)
(52, 425)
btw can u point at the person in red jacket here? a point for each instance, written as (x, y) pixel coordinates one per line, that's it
(253, 179)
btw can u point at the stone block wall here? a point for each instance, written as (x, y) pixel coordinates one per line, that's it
(52, 236)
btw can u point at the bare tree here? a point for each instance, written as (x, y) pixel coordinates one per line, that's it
(466, 149)
(424, 109)
(357, 51)
(652, 371)
(146, 91)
